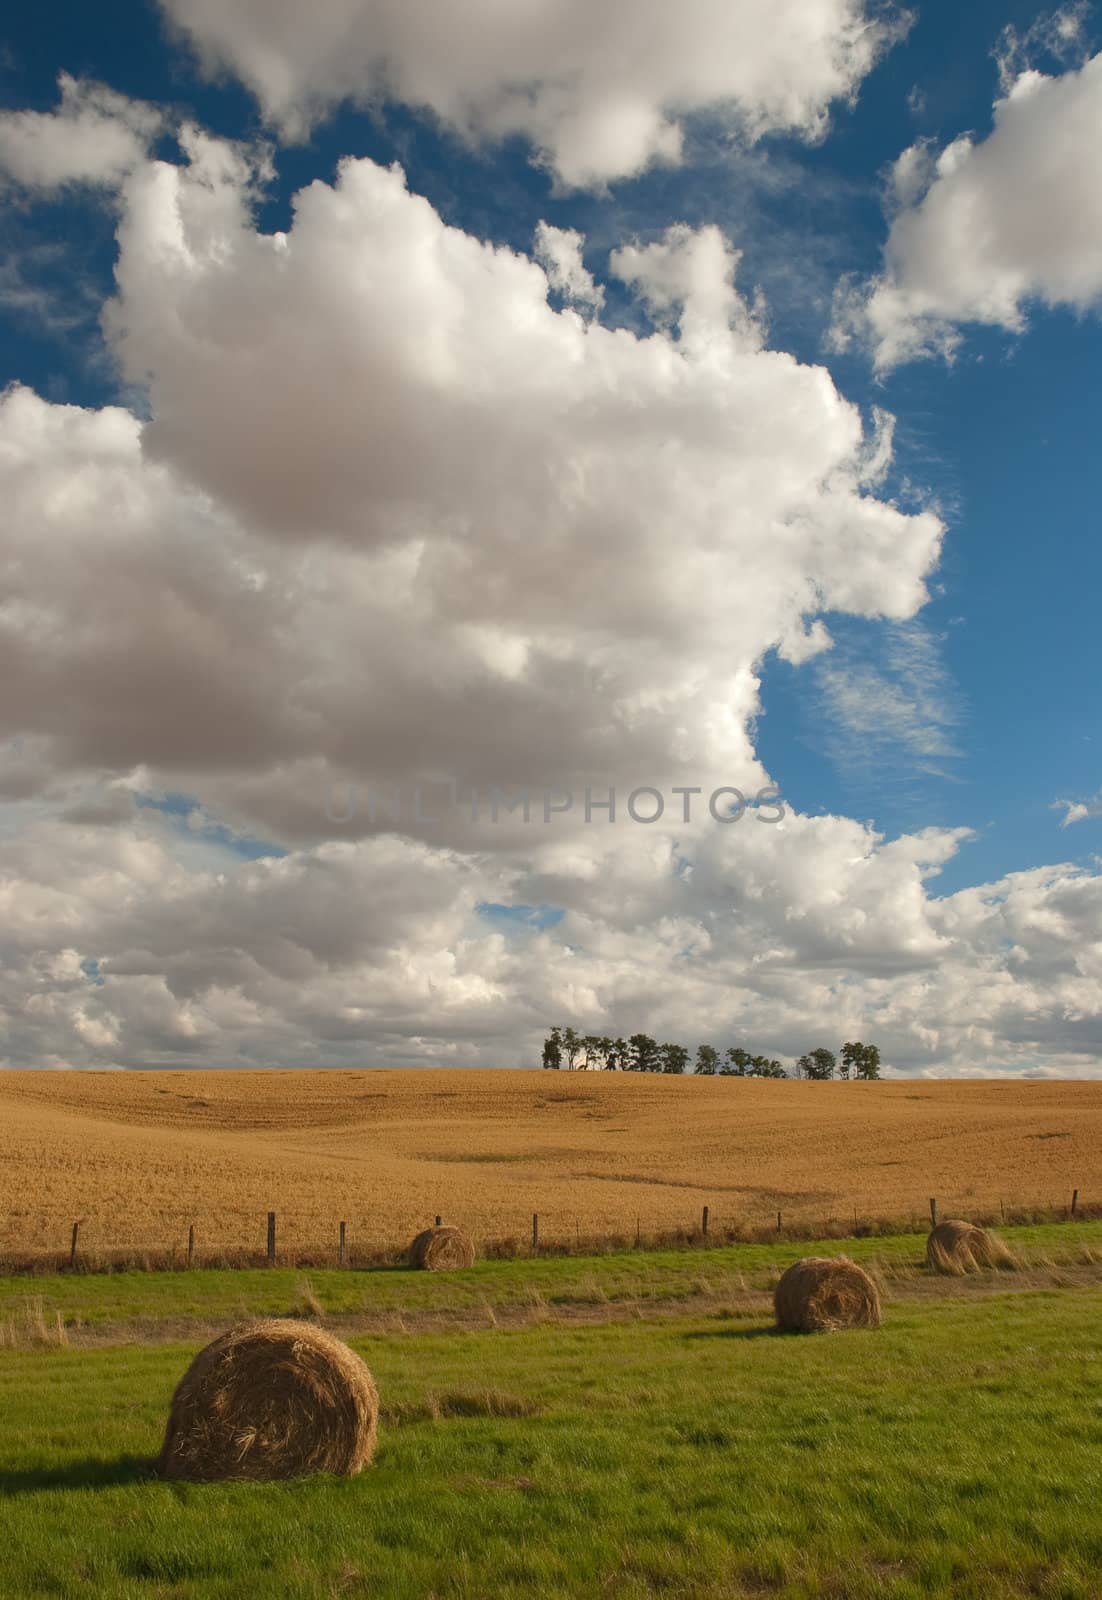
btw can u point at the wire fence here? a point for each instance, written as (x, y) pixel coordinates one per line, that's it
(276, 1240)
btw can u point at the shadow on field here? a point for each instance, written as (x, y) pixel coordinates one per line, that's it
(92, 1473)
(735, 1333)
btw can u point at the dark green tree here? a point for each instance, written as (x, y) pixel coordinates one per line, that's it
(862, 1060)
(571, 1045)
(870, 1066)
(817, 1064)
(593, 1058)
(643, 1054)
(765, 1067)
(707, 1061)
(552, 1049)
(674, 1058)
(617, 1057)
(737, 1062)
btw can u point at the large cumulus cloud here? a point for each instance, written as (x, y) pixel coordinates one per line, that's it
(600, 90)
(391, 515)
(394, 516)
(115, 953)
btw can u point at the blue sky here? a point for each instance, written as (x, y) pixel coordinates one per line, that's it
(975, 711)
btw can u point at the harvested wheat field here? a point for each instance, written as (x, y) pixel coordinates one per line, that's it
(138, 1156)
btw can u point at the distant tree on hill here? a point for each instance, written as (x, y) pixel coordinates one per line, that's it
(765, 1067)
(565, 1047)
(862, 1060)
(817, 1064)
(571, 1046)
(736, 1063)
(593, 1056)
(643, 1054)
(674, 1058)
(616, 1056)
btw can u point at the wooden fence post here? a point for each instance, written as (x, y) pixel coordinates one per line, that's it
(704, 1222)
(778, 1222)
(191, 1244)
(933, 1213)
(341, 1247)
(535, 1231)
(73, 1245)
(438, 1222)
(1074, 1201)
(271, 1238)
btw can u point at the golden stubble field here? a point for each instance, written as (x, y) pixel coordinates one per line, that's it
(138, 1156)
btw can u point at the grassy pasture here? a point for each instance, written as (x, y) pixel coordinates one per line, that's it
(662, 1442)
(93, 1307)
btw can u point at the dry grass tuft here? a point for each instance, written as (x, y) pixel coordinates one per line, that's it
(271, 1399)
(308, 1303)
(441, 1250)
(955, 1247)
(33, 1324)
(821, 1293)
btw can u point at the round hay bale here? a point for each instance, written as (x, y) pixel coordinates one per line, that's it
(271, 1399)
(955, 1247)
(822, 1293)
(441, 1250)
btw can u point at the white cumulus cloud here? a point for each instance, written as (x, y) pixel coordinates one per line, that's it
(559, 253)
(393, 513)
(988, 226)
(95, 136)
(374, 950)
(601, 90)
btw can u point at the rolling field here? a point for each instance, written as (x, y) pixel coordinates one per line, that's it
(139, 1156)
(612, 1426)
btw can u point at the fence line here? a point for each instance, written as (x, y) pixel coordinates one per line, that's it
(709, 1229)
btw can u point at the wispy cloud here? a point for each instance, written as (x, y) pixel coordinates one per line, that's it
(25, 291)
(888, 705)
(1060, 35)
(49, 291)
(1078, 810)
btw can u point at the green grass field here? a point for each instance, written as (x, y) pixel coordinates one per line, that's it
(669, 1445)
(153, 1304)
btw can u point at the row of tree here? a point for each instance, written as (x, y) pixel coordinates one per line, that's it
(565, 1049)
(858, 1061)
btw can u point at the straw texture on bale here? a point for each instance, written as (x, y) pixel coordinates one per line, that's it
(956, 1247)
(440, 1249)
(822, 1293)
(271, 1399)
